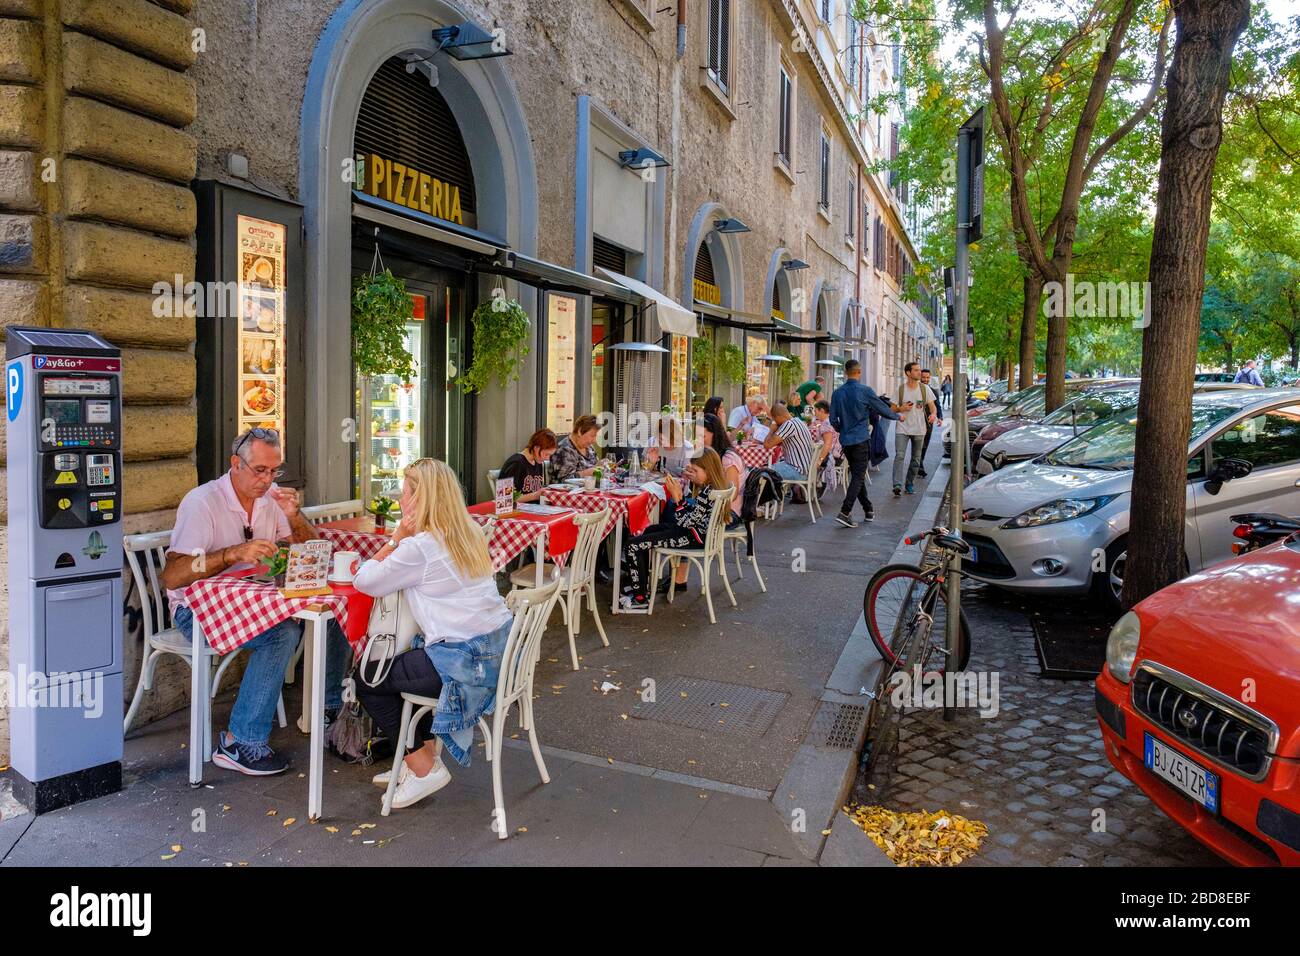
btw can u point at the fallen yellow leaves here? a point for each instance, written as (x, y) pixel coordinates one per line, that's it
(919, 838)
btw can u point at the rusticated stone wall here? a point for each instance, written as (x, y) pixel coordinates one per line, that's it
(95, 208)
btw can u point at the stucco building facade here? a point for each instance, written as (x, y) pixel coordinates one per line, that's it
(716, 151)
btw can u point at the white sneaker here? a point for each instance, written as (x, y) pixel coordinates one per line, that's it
(412, 789)
(381, 779)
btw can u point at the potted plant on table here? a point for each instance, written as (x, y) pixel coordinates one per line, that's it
(381, 508)
(276, 565)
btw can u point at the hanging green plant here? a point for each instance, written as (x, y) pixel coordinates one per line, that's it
(791, 371)
(702, 358)
(381, 308)
(730, 363)
(500, 342)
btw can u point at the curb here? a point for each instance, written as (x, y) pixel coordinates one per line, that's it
(819, 777)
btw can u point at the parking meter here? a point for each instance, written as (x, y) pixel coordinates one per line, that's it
(64, 406)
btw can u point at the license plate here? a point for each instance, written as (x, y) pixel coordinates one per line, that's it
(1192, 779)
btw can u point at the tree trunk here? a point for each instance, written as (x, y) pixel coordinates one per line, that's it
(1029, 327)
(1191, 131)
(1058, 330)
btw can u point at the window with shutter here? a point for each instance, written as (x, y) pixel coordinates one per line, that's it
(852, 45)
(783, 134)
(608, 256)
(825, 198)
(850, 209)
(719, 53)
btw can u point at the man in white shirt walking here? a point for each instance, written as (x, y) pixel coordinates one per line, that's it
(915, 405)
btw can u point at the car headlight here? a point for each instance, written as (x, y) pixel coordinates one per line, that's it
(1063, 509)
(1122, 647)
(999, 459)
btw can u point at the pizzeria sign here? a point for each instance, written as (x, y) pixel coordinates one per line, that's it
(407, 186)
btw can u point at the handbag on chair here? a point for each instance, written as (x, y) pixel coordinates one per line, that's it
(392, 630)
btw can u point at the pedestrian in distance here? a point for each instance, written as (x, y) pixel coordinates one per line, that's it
(929, 425)
(1248, 375)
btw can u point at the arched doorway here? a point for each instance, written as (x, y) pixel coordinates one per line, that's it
(357, 47)
(713, 285)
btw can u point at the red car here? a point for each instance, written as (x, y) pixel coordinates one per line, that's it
(1199, 704)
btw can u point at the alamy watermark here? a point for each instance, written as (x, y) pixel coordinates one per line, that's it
(1098, 300)
(977, 690)
(83, 690)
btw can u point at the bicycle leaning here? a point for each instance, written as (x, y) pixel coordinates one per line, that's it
(905, 607)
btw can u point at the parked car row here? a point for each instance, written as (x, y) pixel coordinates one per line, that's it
(1199, 699)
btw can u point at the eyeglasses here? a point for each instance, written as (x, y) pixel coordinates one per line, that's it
(260, 434)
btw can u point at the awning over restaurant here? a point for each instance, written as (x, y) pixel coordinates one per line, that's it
(733, 318)
(546, 275)
(673, 319)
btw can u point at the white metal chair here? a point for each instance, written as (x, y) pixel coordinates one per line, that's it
(532, 608)
(744, 534)
(334, 511)
(808, 483)
(578, 578)
(702, 558)
(843, 473)
(145, 555)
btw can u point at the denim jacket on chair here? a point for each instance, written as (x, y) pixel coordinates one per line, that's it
(469, 671)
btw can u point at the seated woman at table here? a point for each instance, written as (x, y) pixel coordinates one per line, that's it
(438, 557)
(575, 456)
(715, 406)
(669, 449)
(714, 435)
(528, 467)
(684, 523)
(824, 434)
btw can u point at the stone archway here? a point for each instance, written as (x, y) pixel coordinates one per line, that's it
(361, 35)
(724, 249)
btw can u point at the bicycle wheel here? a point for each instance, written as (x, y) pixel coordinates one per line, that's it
(892, 596)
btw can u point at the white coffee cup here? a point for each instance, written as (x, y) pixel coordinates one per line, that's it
(345, 566)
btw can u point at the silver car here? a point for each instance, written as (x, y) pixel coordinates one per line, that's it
(1075, 416)
(1059, 524)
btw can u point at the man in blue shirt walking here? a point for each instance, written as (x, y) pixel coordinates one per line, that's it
(851, 404)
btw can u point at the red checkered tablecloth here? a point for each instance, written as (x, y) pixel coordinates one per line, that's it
(512, 536)
(232, 610)
(365, 543)
(635, 507)
(754, 455)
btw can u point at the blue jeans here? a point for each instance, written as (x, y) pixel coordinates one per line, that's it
(271, 651)
(789, 472)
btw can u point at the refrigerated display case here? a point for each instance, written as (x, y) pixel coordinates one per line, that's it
(391, 419)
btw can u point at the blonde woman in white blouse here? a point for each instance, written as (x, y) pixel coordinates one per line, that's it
(439, 559)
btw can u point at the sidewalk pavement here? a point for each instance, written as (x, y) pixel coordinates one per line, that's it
(743, 757)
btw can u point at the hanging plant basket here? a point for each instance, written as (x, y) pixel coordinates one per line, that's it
(500, 341)
(730, 364)
(381, 308)
(791, 371)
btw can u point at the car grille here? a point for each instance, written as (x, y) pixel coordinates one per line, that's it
(991, 563)
(1230, 734)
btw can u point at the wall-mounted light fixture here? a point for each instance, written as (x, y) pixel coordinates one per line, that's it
(793, 264)
(640, 158)
(468, 41)
(729, 225)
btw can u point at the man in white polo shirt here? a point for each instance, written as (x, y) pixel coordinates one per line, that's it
(233, 522)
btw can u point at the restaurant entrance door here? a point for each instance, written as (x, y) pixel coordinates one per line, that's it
(397, 421)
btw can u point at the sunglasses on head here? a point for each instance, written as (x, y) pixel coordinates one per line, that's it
(260, 434)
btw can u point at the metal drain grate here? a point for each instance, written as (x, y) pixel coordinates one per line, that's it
(837, 725)
(697, 703)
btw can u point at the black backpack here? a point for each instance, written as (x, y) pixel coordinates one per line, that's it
(751, 501)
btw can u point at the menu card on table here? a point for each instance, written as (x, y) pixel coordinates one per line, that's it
(759, 432)
(505, 498)
(308, 569)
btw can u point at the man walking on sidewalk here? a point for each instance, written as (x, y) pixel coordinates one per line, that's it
(916, 407)
(929, 426)
(851, 404)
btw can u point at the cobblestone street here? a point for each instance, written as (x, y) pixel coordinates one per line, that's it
(1036, 772)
